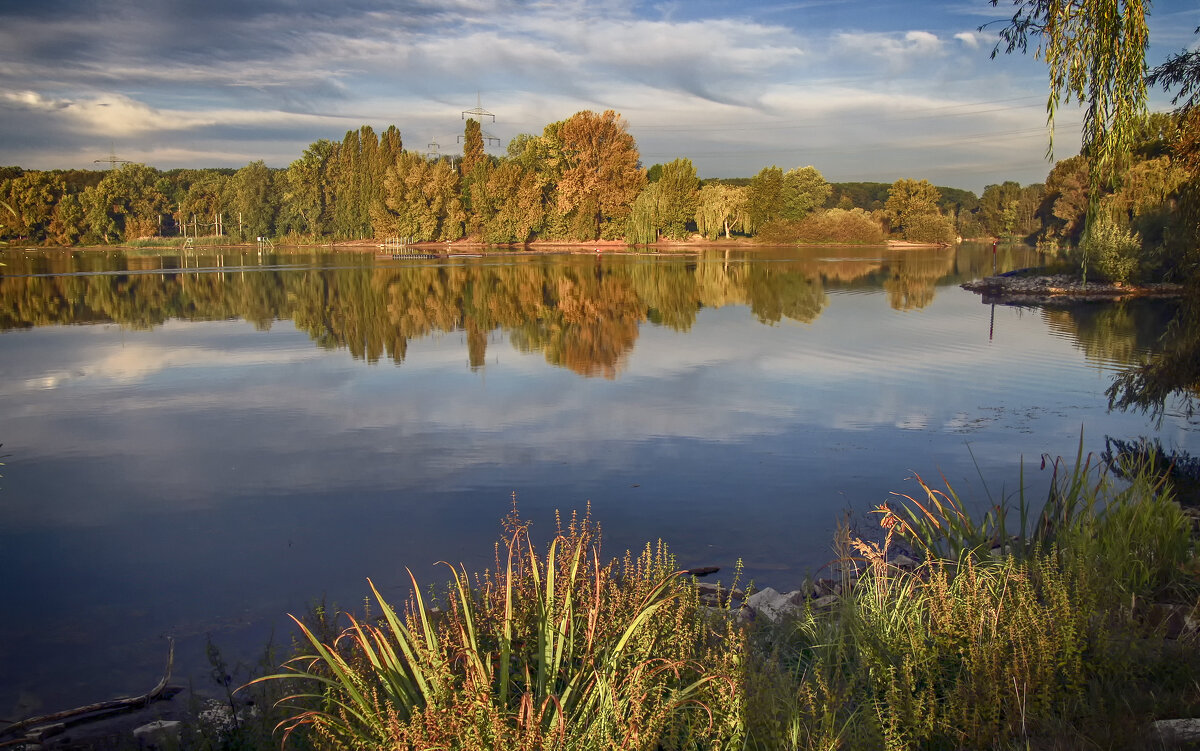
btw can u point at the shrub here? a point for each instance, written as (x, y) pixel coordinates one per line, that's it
(840, 226)
(548, 651)
(1111, 250)
(929, 228)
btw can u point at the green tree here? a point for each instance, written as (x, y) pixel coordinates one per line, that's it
(305, 198)
(515, 204)
(472, 146)
(804, 191)
(765, 197)
(679, 194)
(67, 223)
(641, 227)
(1064, 203)
(206, 206)
(255, 200)
(722, 208)
(128, 203)
(909, 199)
(30, 199)
(421, 200)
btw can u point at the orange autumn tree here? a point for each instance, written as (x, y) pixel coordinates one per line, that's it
(601, 176)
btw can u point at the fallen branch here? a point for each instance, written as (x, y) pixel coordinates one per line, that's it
(105, 707)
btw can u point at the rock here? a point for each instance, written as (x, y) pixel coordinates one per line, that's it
(904, 562)
(160, 734)
(772, 605)
(1173, 620)
(825, 603)
(826, 587)
(1185, 731)
(714, 595)
(1060, 289)
(763, 601)
(703, 570)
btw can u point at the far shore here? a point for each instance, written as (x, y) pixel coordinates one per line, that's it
(535, 247)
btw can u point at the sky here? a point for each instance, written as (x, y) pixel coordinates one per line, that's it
(863, 91)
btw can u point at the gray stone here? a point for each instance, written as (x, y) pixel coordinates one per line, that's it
(1178, 730)
(772, 605)
(159, 733)
(825, 603)
(904, 562)
(826, 587)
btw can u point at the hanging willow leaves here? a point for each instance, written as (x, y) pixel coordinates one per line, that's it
(1180, 73)
(1096, 54)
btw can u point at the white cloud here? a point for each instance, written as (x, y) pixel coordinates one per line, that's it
(968, 38)
(900, 50)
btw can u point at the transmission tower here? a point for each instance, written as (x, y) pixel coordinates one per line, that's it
(112, 160)
(479, 113)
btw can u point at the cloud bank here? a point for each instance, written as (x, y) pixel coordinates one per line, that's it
(863, 92)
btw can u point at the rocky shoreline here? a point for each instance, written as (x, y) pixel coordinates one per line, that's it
(1021, 288)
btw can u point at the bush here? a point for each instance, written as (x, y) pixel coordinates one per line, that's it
(548, 651)
(974, 649)
(1111, 251)
(929, 228)
(840, 226)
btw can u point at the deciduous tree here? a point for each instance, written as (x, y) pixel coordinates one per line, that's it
(804, 191)
(908, 199)
(601, 177)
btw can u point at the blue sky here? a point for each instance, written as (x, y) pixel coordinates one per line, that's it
(861, 90)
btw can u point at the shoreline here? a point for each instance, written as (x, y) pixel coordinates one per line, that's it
(1063, 289)
(535, 247)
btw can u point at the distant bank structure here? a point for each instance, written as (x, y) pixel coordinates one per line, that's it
(478, 113)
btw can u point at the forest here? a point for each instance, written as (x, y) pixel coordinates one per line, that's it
(580, 180)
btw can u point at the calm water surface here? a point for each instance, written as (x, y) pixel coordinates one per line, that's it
(198, 445)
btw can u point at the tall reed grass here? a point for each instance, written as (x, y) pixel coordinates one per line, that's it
(559, 650)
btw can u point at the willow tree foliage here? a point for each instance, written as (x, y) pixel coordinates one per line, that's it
(722, 208)
(1096, 54)
(1180, 73)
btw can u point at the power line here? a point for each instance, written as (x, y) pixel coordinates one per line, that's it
(112, 160)
(479, 112)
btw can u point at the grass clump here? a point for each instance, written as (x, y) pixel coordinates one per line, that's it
(550, 650)
(1054, 638)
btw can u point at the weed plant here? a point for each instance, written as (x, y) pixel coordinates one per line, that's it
(557, 650)
(1046, 642)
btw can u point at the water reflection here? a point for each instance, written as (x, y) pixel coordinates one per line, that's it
(581, 313)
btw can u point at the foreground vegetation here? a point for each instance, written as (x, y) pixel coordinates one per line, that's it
(1068, 627)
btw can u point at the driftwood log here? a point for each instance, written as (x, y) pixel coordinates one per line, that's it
(32, 726)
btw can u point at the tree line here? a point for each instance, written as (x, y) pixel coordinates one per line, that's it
(581, 179)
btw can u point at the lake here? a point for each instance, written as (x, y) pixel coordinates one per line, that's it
(198, 444)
